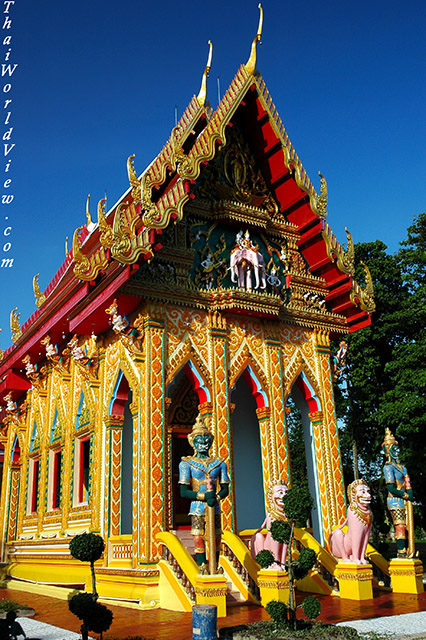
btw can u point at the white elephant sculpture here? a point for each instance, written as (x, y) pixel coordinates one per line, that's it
(246, 260)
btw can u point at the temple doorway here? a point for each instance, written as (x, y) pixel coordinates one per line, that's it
(126, 520)
(302, 452)
(247, 459)
(183, 408)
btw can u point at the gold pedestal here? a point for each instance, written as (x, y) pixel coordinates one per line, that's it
(355, 581)
(212, 590)
(273, 585)
(406, 575)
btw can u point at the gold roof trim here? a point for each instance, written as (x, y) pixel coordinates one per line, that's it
(157, 172)
(203, 90)
(87, 268)
(105, 231)
(127, 244)
(203, 150)
(15, 327)
(133, 179)
(345, 260)
(88, 216)
(251, 62)
(364, 297)
(40, 298)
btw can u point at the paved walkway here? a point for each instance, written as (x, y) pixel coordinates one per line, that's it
(54, 621)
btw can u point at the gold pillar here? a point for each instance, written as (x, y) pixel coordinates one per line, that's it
(327, 427)
(221, 413)
(280, 462)
(151, 480)
(114, 432)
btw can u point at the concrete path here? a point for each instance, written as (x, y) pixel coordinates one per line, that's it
(407, 625)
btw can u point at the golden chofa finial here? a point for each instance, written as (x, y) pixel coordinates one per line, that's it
(40, 298)
(66, 246)
(251, 62)
(203, 90)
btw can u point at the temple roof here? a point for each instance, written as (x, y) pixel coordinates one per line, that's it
(105, 254)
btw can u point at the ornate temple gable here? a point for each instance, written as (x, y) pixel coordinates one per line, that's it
(185, 352)
(185, 326)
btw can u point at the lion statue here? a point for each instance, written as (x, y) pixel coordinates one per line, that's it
(351, 546)
(276, 491)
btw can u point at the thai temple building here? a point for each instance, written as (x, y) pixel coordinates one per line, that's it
(213, 286)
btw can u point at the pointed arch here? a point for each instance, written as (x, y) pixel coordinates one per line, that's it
(35, 437)
(119, 396)
(84, 419)
(300, 374)
(193, 367)
(247, 366)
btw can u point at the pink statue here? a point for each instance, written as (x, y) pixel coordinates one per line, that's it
(245, 261)
(351, 546)
(275, 495)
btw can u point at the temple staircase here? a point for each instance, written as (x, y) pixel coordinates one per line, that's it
(181, 585)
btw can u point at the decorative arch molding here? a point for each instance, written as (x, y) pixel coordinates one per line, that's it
(121, 363)
(306, 383)
(59, 422)
(190, 362)
(298, 365)
(16, 446)
(246, 365)
(120, 395)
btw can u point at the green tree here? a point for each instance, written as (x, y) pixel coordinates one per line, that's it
(297, 505)
(385, 363)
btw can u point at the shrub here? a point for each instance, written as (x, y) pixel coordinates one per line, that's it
(311, 607)
(278, 612)
(100, 618)
(81, 604)
(10, 605)
(280, 531)
(265, 558)
(87, 547)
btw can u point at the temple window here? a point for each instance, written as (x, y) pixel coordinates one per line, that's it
(82, 470)
(55, 472)
(33, 486)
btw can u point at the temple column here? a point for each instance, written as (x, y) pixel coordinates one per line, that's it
(334, 483)
(114, 432)
(280, 459)
(12, 516)
(268, 453)
(221, 412)
(151, 498)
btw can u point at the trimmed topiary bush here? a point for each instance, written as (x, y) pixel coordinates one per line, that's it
(297, 504)
(311, 607)
(278, 612)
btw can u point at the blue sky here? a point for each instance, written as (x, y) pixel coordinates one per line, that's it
(97, 81)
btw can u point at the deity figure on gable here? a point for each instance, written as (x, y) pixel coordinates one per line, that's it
(400, 497)
(204, 480)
